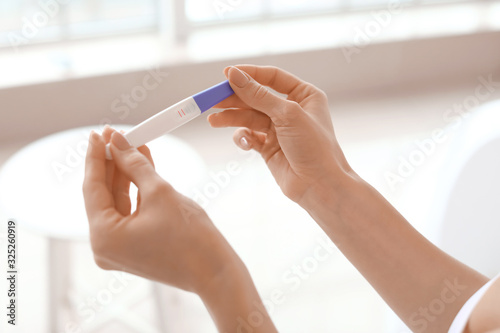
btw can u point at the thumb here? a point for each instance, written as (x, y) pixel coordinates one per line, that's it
(254, 94)
(132, 163)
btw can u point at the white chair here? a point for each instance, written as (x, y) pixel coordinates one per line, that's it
(469, 212)
(463, 189)
(41, 188)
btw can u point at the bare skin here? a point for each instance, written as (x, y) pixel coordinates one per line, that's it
(169, 238)
(295, 137)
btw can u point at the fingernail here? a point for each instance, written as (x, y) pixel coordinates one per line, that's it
(120, 141)
(238, 77)
(244, 143)
(108, 153)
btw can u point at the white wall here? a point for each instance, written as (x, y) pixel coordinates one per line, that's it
(29, 112)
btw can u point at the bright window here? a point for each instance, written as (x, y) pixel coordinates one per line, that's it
(44, 40)
(24, 22)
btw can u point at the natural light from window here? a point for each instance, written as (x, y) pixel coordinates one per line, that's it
(54, 39)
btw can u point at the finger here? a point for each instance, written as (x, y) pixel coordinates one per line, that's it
(138, 206)
(133, 164)
(121, 187)
(252, 119)
(117, 181)
(264, 143)
(121, 192)
(247, 139)
(279, 80)
(275, 78)
(98, 198)
(110, 166)
(107, 132)
(146, 152)
(260, 98)
(121, 183)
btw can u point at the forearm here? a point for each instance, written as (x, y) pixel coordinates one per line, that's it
(234, 303)
(422, 284)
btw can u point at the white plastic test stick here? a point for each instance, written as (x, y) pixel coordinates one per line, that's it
(176, 115)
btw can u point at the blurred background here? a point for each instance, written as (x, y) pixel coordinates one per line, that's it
(408, 82)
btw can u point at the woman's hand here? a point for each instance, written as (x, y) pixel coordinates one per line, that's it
(296, 138)
(294, 135)
(169, 238)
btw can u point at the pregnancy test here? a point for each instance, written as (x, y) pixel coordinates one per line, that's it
(176, 115)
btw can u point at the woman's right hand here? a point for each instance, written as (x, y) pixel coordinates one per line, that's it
(296, 138)
(294, 135)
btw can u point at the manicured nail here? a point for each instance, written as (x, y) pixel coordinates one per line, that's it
(108, 153)
(244, 143)
(120, 141)
(238, 77)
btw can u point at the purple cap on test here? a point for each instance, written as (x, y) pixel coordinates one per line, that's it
(213, 95)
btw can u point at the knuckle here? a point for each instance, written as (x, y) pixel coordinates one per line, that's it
(100, 240)
(99, 246)
(101, 263)
(292, 109)
(135, 160)
(289, 114)
(322, 94)
(309, 89)
(274, 71)
(84, 187)
(145, 150)
(160, 189)
(260, 93)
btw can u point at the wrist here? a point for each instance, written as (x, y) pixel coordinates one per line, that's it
(231, 268)
(234, 303)
(331, 198)
(215, 261)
